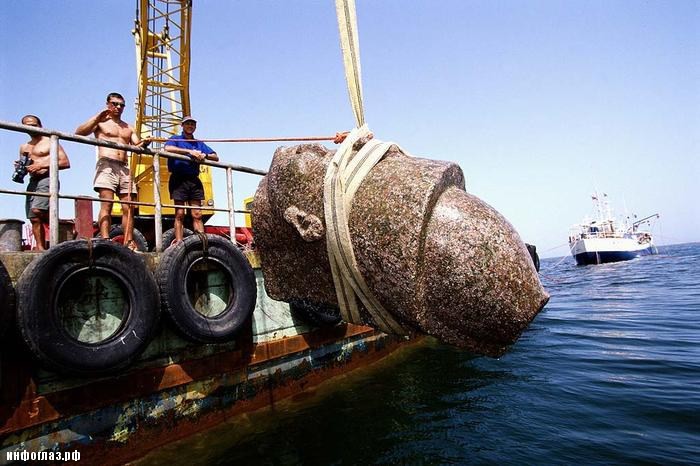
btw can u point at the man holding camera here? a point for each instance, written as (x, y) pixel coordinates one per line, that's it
(34, 158)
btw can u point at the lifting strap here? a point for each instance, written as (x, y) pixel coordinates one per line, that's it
(350, 46)
(344, 176)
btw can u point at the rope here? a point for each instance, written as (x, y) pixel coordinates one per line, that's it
(555, 247)
(91, 261)
(205, 243)
(560, 261)
(339, 135)
(552, 278)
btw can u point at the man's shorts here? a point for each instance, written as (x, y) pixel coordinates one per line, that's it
(185, 188)
(37, 185)
(113, 174)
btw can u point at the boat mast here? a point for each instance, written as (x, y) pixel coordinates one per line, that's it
(600, 213)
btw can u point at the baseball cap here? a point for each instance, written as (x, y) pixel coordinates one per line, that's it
(188, 118)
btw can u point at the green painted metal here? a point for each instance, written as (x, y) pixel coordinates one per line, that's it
(208, 287)
(92, 305)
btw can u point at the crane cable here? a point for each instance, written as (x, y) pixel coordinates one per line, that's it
(337, 138)
(343, 177)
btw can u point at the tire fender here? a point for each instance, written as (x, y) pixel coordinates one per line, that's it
(532, 250)
(7, 300)
(209, 290)
(87, 307)
(315, 314)
(116, 235)
(169, 236)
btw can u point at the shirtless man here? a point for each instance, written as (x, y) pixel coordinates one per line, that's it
(112, 174)
(37, 207)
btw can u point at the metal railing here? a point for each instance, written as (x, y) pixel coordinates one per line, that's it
(54, 194)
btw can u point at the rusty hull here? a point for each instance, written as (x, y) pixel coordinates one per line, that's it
(176, 388)
(121, 418)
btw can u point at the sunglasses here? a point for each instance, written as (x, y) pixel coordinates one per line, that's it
(118, 104)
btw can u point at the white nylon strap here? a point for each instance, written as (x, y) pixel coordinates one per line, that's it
(343, 177)
(350, 46)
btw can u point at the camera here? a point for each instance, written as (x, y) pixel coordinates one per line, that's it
(21, 169)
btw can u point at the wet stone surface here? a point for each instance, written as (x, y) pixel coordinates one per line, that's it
(293, 267)
(440, 260)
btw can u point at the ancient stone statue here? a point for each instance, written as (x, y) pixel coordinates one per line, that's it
(438, 259)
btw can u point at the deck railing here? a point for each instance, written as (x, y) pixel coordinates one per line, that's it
(54, 194)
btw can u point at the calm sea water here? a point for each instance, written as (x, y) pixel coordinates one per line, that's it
(608, 373)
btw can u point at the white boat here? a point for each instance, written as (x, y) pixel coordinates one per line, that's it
(607, 239)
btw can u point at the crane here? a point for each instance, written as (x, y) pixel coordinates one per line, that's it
(162, 37)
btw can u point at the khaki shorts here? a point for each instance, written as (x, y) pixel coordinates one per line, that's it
(113, 174)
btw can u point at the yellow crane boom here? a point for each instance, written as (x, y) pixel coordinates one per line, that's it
(161, 32)
(162, 36)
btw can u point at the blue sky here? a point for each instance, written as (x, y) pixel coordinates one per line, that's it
(539, 102)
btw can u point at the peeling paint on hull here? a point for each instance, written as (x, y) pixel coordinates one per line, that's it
(177, 388)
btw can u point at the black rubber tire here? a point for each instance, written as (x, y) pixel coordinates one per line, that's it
(173, 276)
(116, 235)
(169, 236)
(7, 300)
(532, 249)
(315, 314)
(40, 291)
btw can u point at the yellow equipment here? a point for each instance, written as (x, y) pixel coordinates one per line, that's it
(162, 35)
(248, 206)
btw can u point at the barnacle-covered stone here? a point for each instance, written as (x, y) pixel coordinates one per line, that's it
(440, 260)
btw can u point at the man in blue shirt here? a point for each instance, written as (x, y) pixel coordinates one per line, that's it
(185, 186)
